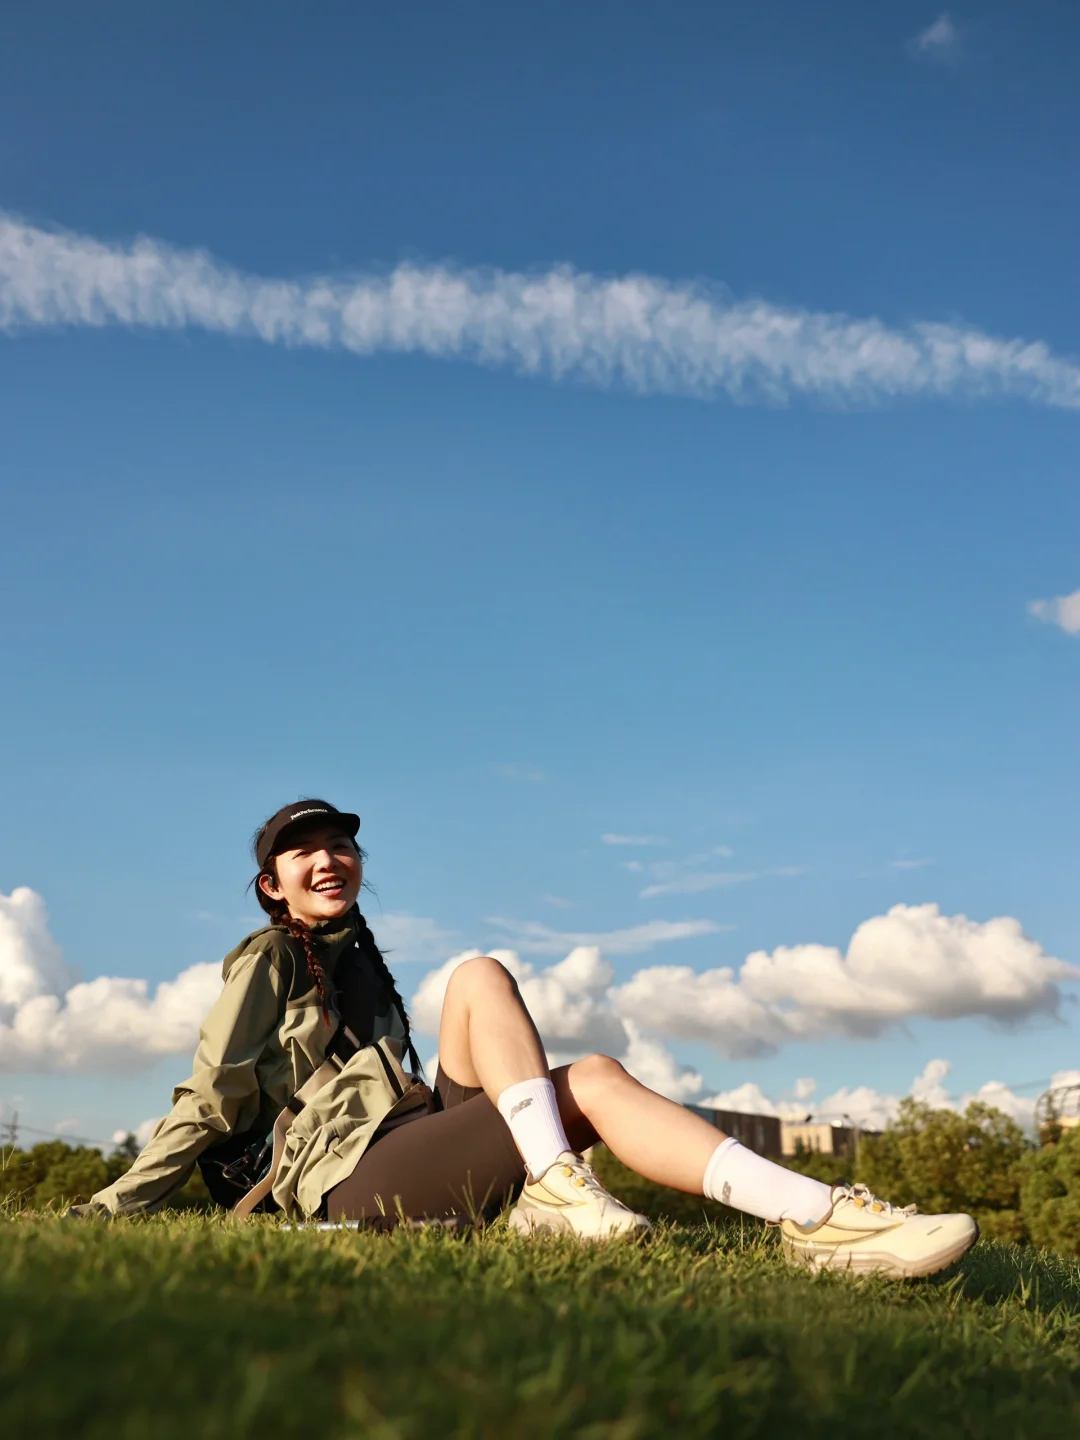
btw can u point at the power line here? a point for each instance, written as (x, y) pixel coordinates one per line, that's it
(15, 1125)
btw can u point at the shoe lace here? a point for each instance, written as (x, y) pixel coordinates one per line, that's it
(581, 1174)
(864, 1197)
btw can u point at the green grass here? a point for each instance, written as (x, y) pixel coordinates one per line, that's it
(191, 1327)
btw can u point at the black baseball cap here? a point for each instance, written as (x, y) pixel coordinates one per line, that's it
(271, 838)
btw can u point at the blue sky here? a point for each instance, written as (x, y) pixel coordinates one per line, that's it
(503, 615)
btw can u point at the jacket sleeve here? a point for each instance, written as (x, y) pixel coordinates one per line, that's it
(222, 1095)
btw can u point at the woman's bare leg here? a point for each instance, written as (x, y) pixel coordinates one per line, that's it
(659, 1139)
(487, 1038)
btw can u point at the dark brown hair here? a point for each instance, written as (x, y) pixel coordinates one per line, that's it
(279, 914)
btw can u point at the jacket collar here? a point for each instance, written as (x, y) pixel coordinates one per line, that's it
(337, 934)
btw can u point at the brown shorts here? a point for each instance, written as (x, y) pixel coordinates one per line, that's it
(458, 1161)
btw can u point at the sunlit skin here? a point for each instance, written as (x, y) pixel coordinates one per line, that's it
(318, 877)
(487, 1037)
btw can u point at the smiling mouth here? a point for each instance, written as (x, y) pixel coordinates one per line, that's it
(329, 887)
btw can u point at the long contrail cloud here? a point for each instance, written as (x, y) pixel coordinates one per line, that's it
(637, 332)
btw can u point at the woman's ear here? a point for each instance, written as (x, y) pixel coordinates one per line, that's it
(269, 886)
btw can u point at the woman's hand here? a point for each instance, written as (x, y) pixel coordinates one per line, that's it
(92, 1210)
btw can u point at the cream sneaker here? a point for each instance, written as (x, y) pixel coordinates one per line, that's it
(568, 1196)
(869, 1236)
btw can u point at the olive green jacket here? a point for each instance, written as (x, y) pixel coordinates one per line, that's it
(263, 1039)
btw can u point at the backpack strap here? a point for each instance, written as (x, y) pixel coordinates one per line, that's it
(342, 1047)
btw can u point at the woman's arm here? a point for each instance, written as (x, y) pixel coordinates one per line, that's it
(222, 1094)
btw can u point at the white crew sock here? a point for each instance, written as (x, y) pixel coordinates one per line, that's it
(530, 1110)
(737, 1177)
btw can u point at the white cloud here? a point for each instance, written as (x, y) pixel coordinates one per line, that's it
(692, 875)
(536, 938)
(647, 334)
(694, 884)
(910, 864)
(929, 1087)
(1063, 611)
(142, 1132)
(872, 1109)
(612, 839)
(911, 962)
(568, 1002)
(654, 1065)
(411, 938)
(558, 902)
(708, 1006)
(862, 1106)
(50, 1021)
(31, 962)
(938, 41)
(745, 1099)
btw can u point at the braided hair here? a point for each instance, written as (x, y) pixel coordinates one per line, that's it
(279, 914)
(369, 948)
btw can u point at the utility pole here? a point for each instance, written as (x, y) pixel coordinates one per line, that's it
(11, 1130)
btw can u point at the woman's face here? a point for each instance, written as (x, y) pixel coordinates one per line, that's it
(318, 877)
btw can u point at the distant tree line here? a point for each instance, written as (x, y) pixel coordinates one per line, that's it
(53, 1175)
(979, 1162)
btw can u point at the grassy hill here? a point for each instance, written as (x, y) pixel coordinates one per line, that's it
(190, 1327)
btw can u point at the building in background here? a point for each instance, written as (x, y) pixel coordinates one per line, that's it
(760, 1133)
(774, 1138)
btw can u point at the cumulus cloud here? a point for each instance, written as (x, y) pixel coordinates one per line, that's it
(654, 1065)
(872, 1109)
(49, 1020)
(612, 839)
(142, 1132)
(938, 41)
(31, 962)
(536, 938)
(911, 962)
(747, 1099)
(646, 334)
(568, 1002)
(1063, 611)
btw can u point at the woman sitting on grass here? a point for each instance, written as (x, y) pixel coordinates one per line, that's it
(304, 1050)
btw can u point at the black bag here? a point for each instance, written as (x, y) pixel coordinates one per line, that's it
(232, 1168)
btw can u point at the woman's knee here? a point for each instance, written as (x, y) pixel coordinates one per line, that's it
(596, 1072)
(482, 971)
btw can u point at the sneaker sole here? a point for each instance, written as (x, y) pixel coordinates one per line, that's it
(867, 1262)
(533, 1223)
